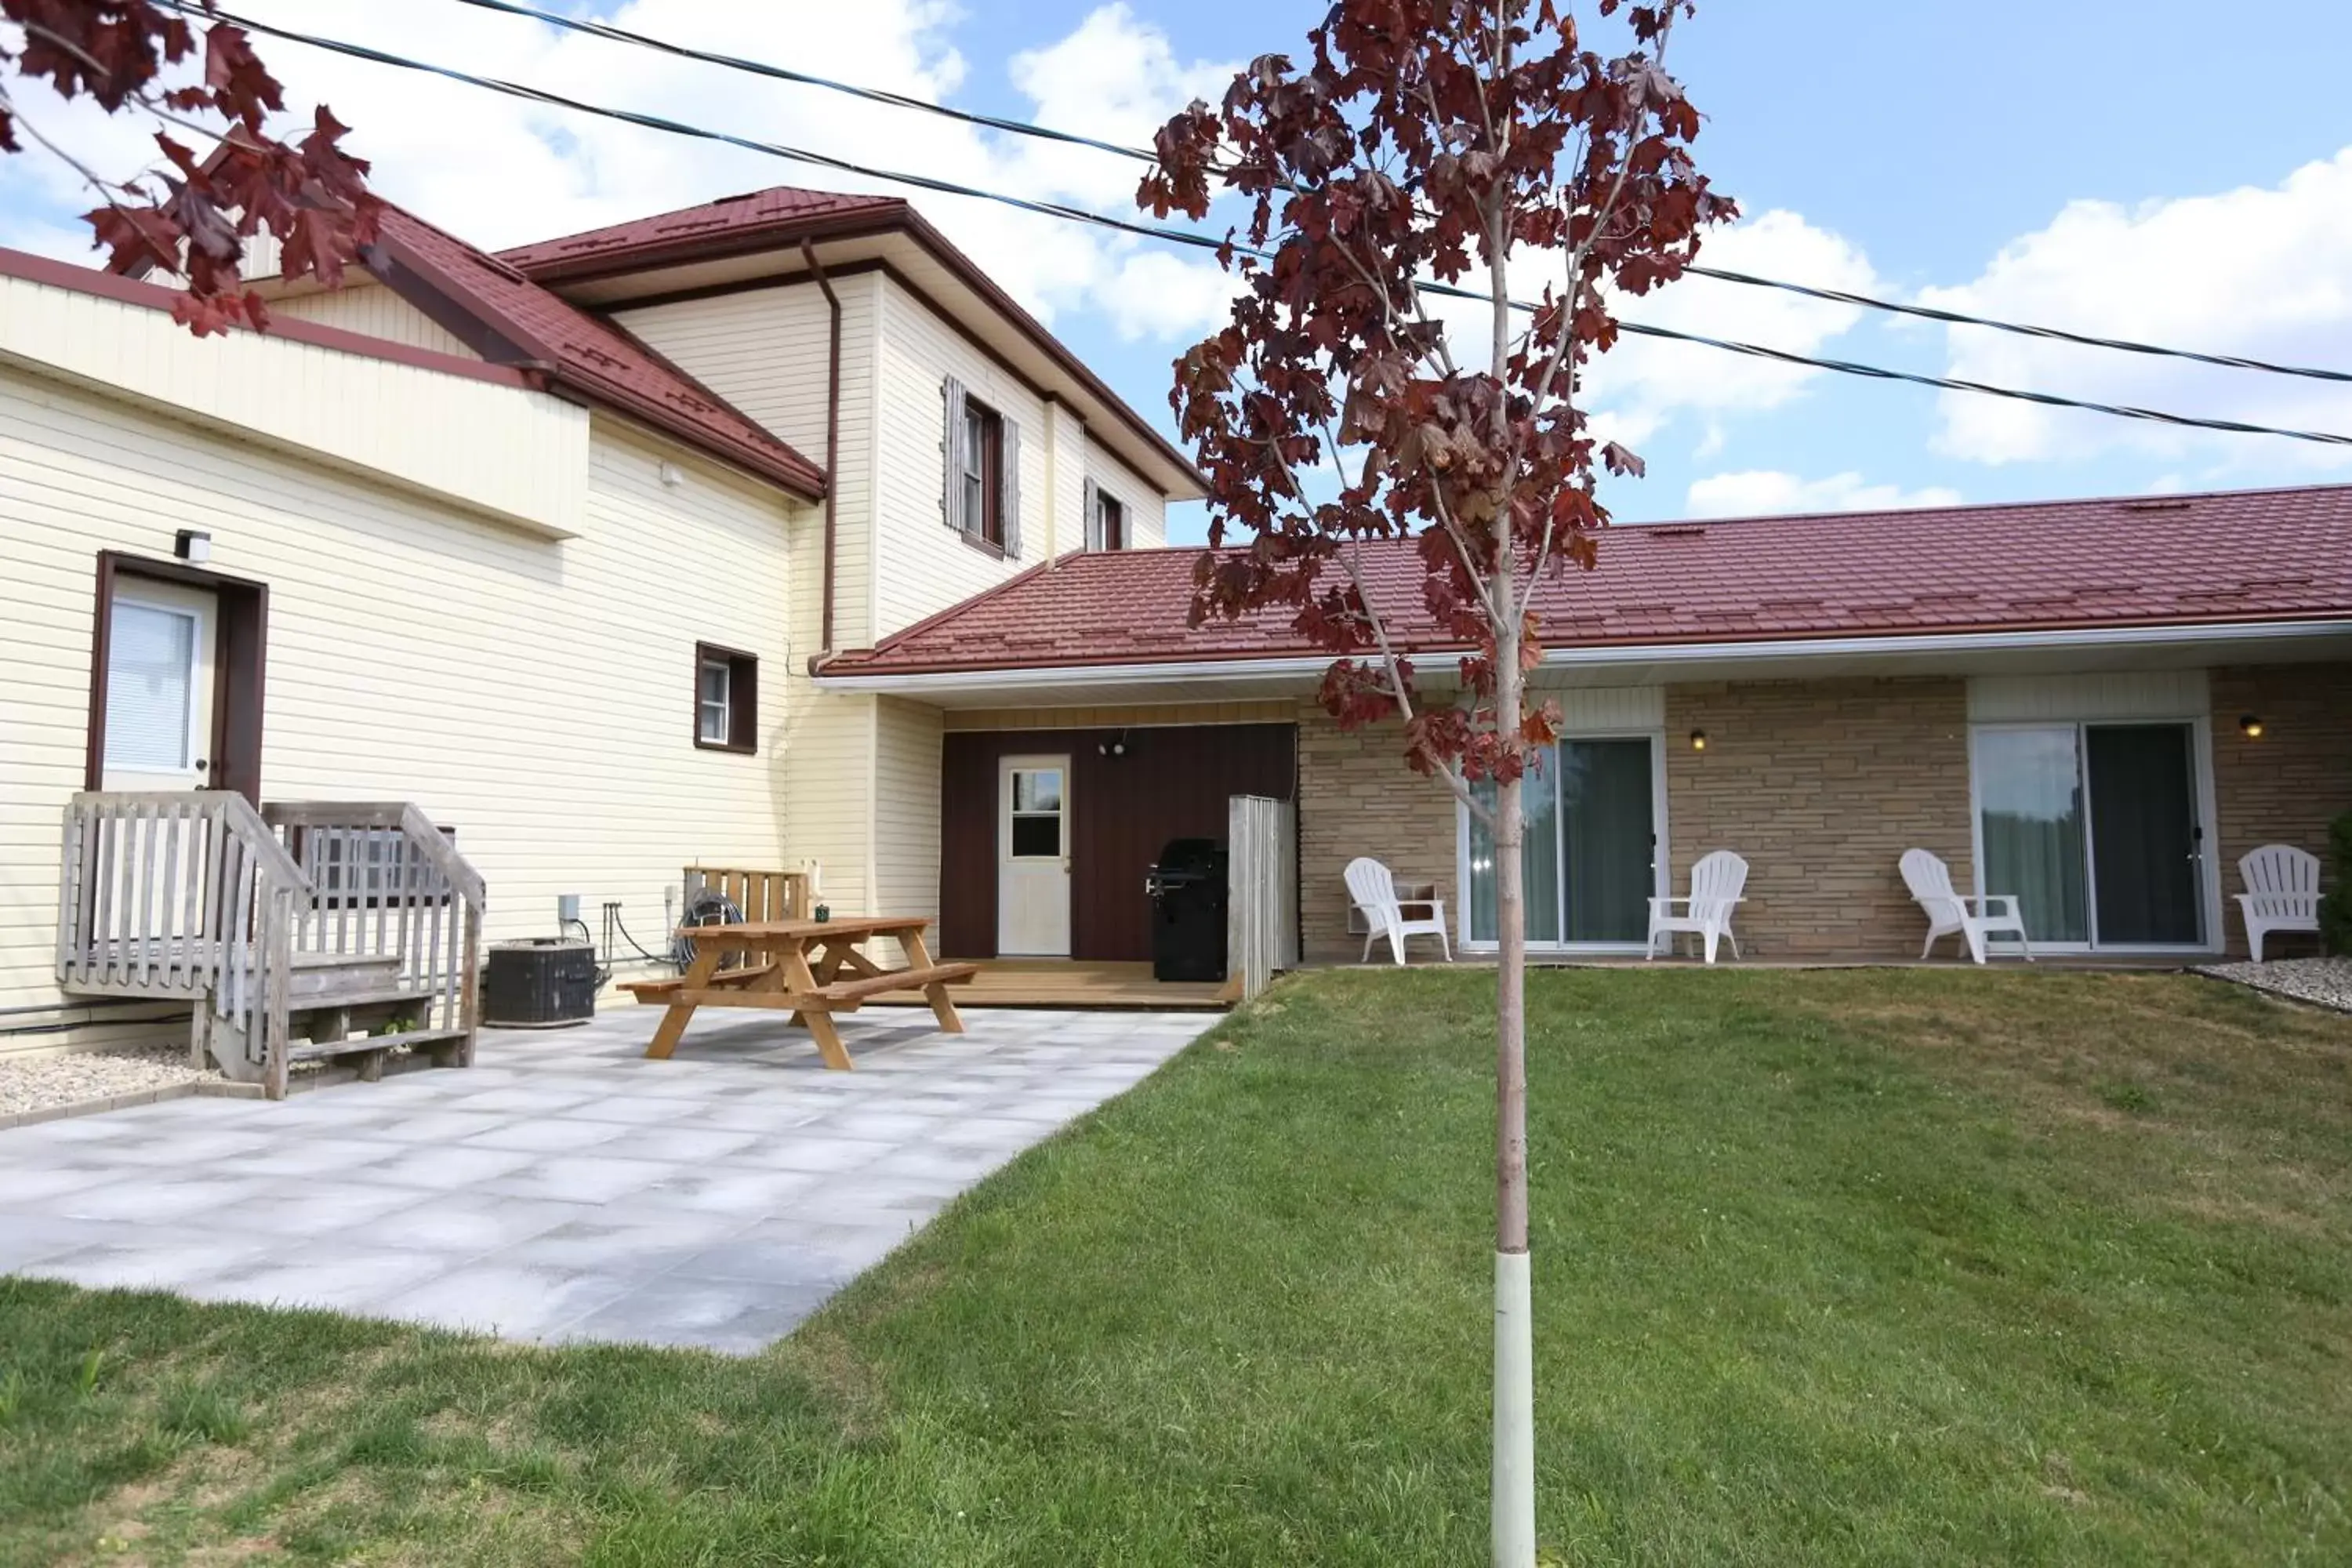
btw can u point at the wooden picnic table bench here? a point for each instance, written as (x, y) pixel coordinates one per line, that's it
(812, 968)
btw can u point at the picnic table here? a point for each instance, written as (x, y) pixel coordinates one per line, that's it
(812, 968)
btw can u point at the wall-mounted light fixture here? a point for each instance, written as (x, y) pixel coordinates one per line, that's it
(192, 545)
(1698, 740)
(2250, 725)
(1114, 747)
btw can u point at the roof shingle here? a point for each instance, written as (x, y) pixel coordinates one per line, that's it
(593, 356)
(2225, 557)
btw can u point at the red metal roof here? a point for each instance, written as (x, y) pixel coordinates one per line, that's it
(590, 355)
(2225, 557)
(781, 206)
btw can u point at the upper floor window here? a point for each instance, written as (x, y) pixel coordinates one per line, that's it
(1106, 517)
(726, 699)
(981, 495)
(983, 461)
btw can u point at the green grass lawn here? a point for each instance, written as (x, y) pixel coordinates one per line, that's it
(1840, 1268)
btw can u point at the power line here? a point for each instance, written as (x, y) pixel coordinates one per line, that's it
(780, 73)
(1209, 242)
(1723, 275)
(1961, 318)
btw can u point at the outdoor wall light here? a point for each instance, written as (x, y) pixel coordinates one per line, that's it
(1698, 740)
(2251, 726)
(192, 545)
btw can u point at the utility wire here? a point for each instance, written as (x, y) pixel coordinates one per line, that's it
(1209, 242)
(780, 73)
(1723, 275)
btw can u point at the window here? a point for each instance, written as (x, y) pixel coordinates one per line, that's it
(1589, 852)
(1036, 829)
(1110, 526)
(981, 496)
(984, 463)
(726, 700)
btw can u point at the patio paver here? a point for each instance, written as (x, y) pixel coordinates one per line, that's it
(566, 1188)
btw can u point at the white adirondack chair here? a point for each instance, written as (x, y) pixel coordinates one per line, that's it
(2282, 892)
(1718, 880)
(1373, 888)
(1930, 882)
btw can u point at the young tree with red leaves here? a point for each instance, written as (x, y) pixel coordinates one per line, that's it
(1472, 144)
(192, 215)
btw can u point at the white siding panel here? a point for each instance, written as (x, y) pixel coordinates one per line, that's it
(923, 567)
(376, 312)
(2117, 694)
(906, 808)
(764, 350)
(520, 453)
(535, 696)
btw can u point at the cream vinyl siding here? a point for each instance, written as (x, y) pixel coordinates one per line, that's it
(376, 310)
(1147, 510)
(764, 350)
(536, 695)
(924, 566)
(520, 454)
(906, 808)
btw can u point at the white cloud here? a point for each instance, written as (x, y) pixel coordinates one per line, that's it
(1753, 491)
(2264, 272)
(1642, 385)
(1648, 377)
(500, 172)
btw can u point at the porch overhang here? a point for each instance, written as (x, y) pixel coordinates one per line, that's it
(2078, 649)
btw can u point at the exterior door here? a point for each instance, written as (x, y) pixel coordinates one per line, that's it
(2147, 843)
(2097, 829)
(160, 645)
(1033, 857)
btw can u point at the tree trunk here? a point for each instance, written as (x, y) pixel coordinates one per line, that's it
(1514, 1498)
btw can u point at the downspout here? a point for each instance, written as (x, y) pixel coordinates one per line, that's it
(832, 434)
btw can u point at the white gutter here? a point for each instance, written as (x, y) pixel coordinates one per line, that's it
(1235, 671)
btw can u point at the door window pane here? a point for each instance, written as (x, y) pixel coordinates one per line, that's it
(1036, 812)
(2144, 843)
(1611, 850)
(1037, 791)
(1036, 836)
(151, 656)
(2030, 793)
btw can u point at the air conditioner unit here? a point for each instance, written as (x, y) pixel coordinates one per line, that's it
(538, 983)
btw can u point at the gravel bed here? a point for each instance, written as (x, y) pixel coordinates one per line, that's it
(45, 1083)
(2325, 982)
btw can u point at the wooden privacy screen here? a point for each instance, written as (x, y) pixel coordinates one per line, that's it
(760, 895)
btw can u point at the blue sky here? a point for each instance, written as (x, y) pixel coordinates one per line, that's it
(2140, 168)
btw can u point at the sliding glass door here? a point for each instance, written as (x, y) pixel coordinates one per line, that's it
(2096, 829)
(1591, 850)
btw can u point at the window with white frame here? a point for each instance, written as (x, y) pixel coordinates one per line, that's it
(726, 699)
(1590, 849)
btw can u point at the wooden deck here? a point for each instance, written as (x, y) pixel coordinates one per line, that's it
(1065, 983)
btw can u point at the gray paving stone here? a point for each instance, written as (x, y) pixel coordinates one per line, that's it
(568, 1187)
(735, 1317)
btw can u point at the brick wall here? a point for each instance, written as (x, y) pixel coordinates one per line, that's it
(1821, 785)
(2286, 787)
(1356, 796)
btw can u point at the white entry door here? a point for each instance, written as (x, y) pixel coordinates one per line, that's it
(158, 687)
(1033, 857)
